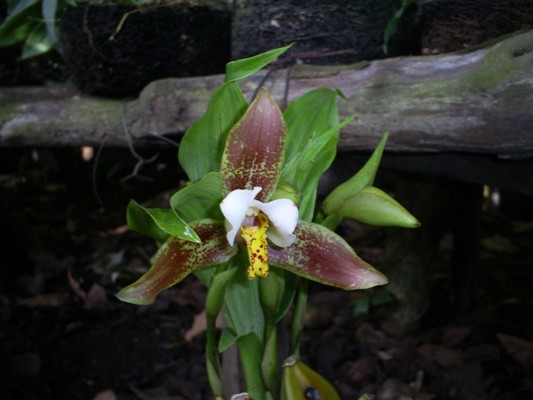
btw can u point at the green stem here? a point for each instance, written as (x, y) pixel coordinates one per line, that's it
(214, 369)
(250, 350)
(269, 363)
(213, 305)
(270, 291)
(297, 321)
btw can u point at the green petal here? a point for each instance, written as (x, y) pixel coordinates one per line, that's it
(255, 149)
(321, 255)
(375, 207)
(177, 258)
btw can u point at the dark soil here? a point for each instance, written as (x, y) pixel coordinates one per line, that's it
(324, 33)
(115, 50)
(65, 336)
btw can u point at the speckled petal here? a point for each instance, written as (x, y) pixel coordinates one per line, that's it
(177, 258)
(255, 149)
(321, 255)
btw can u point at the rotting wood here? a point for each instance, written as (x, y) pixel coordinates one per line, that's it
(470, 102)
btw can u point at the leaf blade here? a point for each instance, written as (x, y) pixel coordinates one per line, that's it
(202, 145)
(240, 69)
(158, 223)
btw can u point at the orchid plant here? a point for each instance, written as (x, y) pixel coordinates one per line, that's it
(246, 225)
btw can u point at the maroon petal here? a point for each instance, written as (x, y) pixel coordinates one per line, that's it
(255, 149)
(177, 258)
(321, 255)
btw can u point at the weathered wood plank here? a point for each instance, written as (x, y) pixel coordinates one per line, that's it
(479, 101)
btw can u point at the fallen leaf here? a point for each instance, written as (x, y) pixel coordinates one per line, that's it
(499, 244)
(75, 286)
(453, 336)
(367, 334)
(43, 300)
(394, 389)
(363, 368)
(96, 298)
(105, 395)
(199, 325)
(443, 356)
(119, 230)
(520, 349)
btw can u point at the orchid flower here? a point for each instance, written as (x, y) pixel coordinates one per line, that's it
(269, 231)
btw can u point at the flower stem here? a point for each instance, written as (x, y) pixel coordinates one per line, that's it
(250, 351)
(298, 317)
(271, 291)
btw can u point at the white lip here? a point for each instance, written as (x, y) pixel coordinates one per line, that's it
(282, 214)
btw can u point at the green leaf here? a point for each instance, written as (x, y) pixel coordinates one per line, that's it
(245, 67)
(205, 275)
(213, 305)
(20, 6)
(288, 295)
(202, 146)
(216, 293)
(298, 317)
(199, 200)
(158, 223)
(360, 305)
(312, 136)
(270, 290)
(364, 177)
(177, 258)
(307, 117)
(375, 207)
(306, 171)
(19, 26)
(38, 42)
(49, 10)
(392, 25)
(242, 305)
(227, 338)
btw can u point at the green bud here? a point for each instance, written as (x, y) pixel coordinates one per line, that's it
(363, 178)
(301, 383)
(375, 207)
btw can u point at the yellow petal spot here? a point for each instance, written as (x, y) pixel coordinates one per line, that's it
(256, 242)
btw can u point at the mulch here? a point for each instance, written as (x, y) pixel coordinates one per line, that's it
(65, 335)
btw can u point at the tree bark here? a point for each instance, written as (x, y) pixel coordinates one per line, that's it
(479, 101)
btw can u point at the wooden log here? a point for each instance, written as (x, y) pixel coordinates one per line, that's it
(479, 101)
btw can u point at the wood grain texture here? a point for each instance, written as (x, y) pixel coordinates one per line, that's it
(479, 101)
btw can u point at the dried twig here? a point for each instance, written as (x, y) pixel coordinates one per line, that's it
(95, 166)
(163, 138)
(129, 139)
